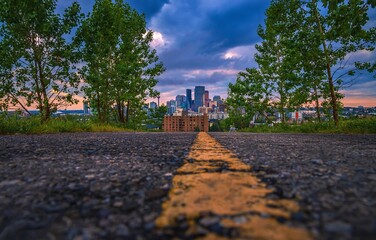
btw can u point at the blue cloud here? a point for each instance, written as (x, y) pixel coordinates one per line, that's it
(147, 7)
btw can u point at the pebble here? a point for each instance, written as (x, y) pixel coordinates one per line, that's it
(338, 227)
(317, 161)
(208, 221)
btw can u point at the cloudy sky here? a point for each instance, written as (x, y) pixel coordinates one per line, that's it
(207, 42)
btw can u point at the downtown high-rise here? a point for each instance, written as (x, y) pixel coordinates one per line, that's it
(189, 98)
(199, 96)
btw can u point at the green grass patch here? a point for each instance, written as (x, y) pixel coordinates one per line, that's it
(347, 126)
(32, 125)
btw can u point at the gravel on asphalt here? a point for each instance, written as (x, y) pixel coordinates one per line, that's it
(86, 185)
(333, 177)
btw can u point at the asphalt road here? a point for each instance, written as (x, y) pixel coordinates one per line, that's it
(333, 177)
(112, 185)
(86, 186)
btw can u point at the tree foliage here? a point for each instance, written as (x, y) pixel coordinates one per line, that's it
(37, 60)
(121, 68)
(305, 55)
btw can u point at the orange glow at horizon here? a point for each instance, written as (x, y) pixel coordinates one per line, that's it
(355, 102)
(347, 102)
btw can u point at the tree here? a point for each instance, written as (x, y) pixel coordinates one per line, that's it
(37, 59)
(277, 83)
(159, 112)
(278, 55)
(137, 65)
(305, 54)
(98, 37)
(121, 68)
(249, 95)
(340, 27)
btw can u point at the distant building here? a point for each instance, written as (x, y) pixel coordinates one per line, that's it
(179, 112)
(204, 110)
(171, 107)
(186, 123)
(86, 108)
(189, 99)
(153, 105)
(181, 101)
(217, 99)
(207, 99)
(199, 96)
(218, 116)
(221, 107)
(213, 105)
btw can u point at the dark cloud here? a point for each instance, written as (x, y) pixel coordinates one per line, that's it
(201, 31)
(234, 26)
(191, 81)
(147, 7)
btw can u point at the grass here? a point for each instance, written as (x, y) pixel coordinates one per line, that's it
(347, 126)
(32, 125)
(15, 124)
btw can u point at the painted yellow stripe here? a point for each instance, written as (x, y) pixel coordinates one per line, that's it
(214, 181)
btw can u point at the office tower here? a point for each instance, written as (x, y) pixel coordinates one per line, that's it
(199, 97)
(189, 98)
(180, 101)
(153, 105)
(171, 106)
(207, 99)
(217, 98)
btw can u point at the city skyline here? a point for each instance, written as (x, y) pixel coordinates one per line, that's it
(186, 102)
(209, 42)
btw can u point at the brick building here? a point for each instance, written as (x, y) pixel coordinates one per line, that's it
(185, 123)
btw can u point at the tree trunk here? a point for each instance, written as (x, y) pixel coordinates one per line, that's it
(333, 97)
(127, 116)
(120, 111)
(99, 110)
(317, 104)
(46, 113)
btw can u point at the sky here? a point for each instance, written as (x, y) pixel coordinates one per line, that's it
(207, 42)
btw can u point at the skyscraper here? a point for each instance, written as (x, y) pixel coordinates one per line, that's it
(207, 99)
(180, 101)
(189, 98)
(153, 105)
(217, 98)
(171, 106)
(199, 96)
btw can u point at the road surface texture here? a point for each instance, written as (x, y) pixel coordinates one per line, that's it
(187, 186)
(333, 177)
(86, 186)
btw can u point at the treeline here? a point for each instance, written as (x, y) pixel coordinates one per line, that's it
(305, 58)
(48, 59)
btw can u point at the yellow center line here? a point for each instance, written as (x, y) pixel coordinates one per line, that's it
(214, 181)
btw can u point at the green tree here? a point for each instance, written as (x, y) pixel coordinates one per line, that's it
(278, 55)
(121, 67)
(157, 115)
(98, 37)
(304, 54)
(277, 83)
(159, 112)
(137, 65)
(37, 60)
(250, 94)
(340, 27)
